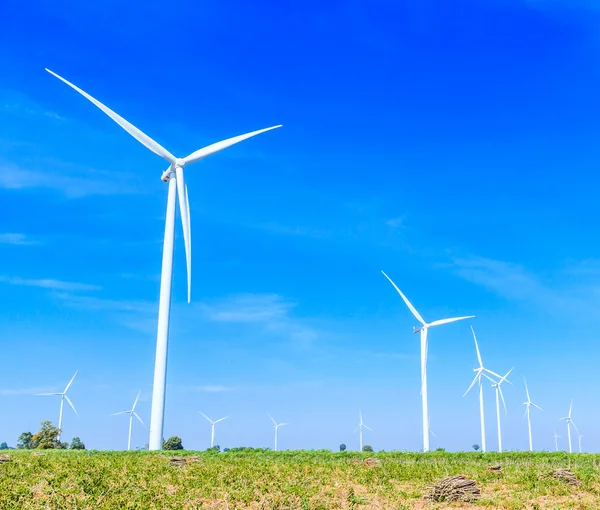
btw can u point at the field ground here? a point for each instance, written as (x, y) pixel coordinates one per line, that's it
(288, 480)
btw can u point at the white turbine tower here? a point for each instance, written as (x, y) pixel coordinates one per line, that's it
(63, 396)
(212, 427)
(131, 414)
(556, 436)
(579, 436)
(175, 177)
(423, 329)
(359, 429)
(277, 425)
(528, 405)
(480, 372)
(569, 423)
(499, 394)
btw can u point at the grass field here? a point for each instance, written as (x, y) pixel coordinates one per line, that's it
(288, 480)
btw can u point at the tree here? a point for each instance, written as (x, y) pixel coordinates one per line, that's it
(47, 437)
(25, 441)
(225, 450)
(440, 449)
(77, 444)
(173, 443)
(342, 447)
(367, 448)
(4, 446)
(216, 448)
(476, 447)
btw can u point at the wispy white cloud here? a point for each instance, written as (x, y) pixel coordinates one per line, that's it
(8, 392)
(48, 283)
(72, 182)
(270, 311)
(17, 239)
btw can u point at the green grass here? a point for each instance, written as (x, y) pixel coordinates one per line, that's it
(287, 480)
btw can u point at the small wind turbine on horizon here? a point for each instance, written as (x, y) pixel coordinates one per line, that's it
(177, 191)
(359, 429)
(63, 396)
(423, 330)
(499, 394)
(570, 422)
(212, 427)
(480, 372)
(528, 405)
(131, 414)
(556, 437)
(277, 425)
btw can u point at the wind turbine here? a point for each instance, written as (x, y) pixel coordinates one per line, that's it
(556, 436)
(528, 405)
(423, 329)
(63, 396)
(480, 372)
(175, 177)
(499, 394)
(131, 414)
(569, 423)
(212, 427)
(360, 428)
(277, 425)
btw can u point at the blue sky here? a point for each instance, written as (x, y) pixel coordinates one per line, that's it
(452, 144)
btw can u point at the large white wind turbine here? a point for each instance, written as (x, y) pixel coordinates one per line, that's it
(131, 414)
(569, 423)
(528, 405)
(277, 425)
(175, 177)
(63, 396)
(212, 427)
(499, 394)
(480, 372)
(359, 429)
(423, 329)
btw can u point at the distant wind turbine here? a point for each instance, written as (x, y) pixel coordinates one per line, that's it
(131, 414)
(556, 436)
(579, 437)
(528, 405)
(499, 394)
(277, 425)
(423, 329)
(569, 423)
(359, 429)
(174, 176)
(63, 396)
(480, 372)
(212, 427)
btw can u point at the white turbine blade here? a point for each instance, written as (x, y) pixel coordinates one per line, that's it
(574, 426)
(472, 384)
(282, 424)
(122, 412)
(274, 422)
(71, 404)
(70, 382)
(136, 415)
(535, 405)
(368, 428)
(405, 299)
(502, 397)
(206, 416)
(431, 432)
(130, 128)
(357, 429)
(183, 210)
(136, 401)
(219, 146)
(221, 419)
(527, 390)
(189, 236)
(570, 408)
(504, 378)
(493, 373)
(448, 321)
(47, 394)
(477, 348)
(360, 417)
